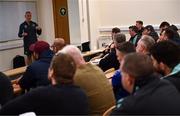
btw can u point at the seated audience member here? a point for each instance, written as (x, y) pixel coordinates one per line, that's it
(149, 94)
(58, 44)
(139, 25)
(93, 81)
(62, 97)
(166, 60)
(110, 60)
(169, 34)
(149, 30)
(133, 31)
(36, 73)
(111, 45)
(114, 31)
(144, 44)
(122, 50)
(175, 29)
(6, 89)
(163, 26)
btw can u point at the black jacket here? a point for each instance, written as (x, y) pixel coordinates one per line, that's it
(110, 61)
(32, 32)
(52, 100)
(154, 96)
(36, 74)
(6, 89)
(175, 80)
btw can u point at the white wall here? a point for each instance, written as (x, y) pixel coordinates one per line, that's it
(78, 21)
(6, 58)
(105, 14)
(74, 22)
(94, 22)
(126, 12)
(45, 19)
(84, 27)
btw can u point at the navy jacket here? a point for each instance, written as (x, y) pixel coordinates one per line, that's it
(32, 32)
(37, 73)
(119, 91)
(59, 99)
(151, 96)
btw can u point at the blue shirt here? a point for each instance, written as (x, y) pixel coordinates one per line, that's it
(118, 89)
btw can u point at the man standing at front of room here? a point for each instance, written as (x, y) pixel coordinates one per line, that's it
(29, 31)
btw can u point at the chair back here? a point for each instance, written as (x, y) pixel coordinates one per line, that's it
(108, 111)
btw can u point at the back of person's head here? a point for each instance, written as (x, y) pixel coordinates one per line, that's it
(173, 27)
(149, 28)
(169, 33)
(134, 28)
(164, 24)
(147, 41)
(119, 38)
(126, 47)
(58, 44)
(62, 68)
(137, 65)
(123, 49)
(40, 47)
(74, 52)
(166, 52)
(116, 30)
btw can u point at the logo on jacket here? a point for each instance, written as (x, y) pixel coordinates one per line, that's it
(25, 26)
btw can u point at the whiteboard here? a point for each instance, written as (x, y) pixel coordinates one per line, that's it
(12, 15)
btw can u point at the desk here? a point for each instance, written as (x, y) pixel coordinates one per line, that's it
(90, 54)
(15, 72)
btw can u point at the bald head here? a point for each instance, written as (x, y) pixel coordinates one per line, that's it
(58, 44)
(75, 53)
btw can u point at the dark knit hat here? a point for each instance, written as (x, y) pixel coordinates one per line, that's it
(39, 47)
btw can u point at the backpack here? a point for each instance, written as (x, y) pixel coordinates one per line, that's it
(18, 61)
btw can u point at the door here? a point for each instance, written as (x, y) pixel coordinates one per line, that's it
(61, 22)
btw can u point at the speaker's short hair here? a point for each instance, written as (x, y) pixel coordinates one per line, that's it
(140, 22)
